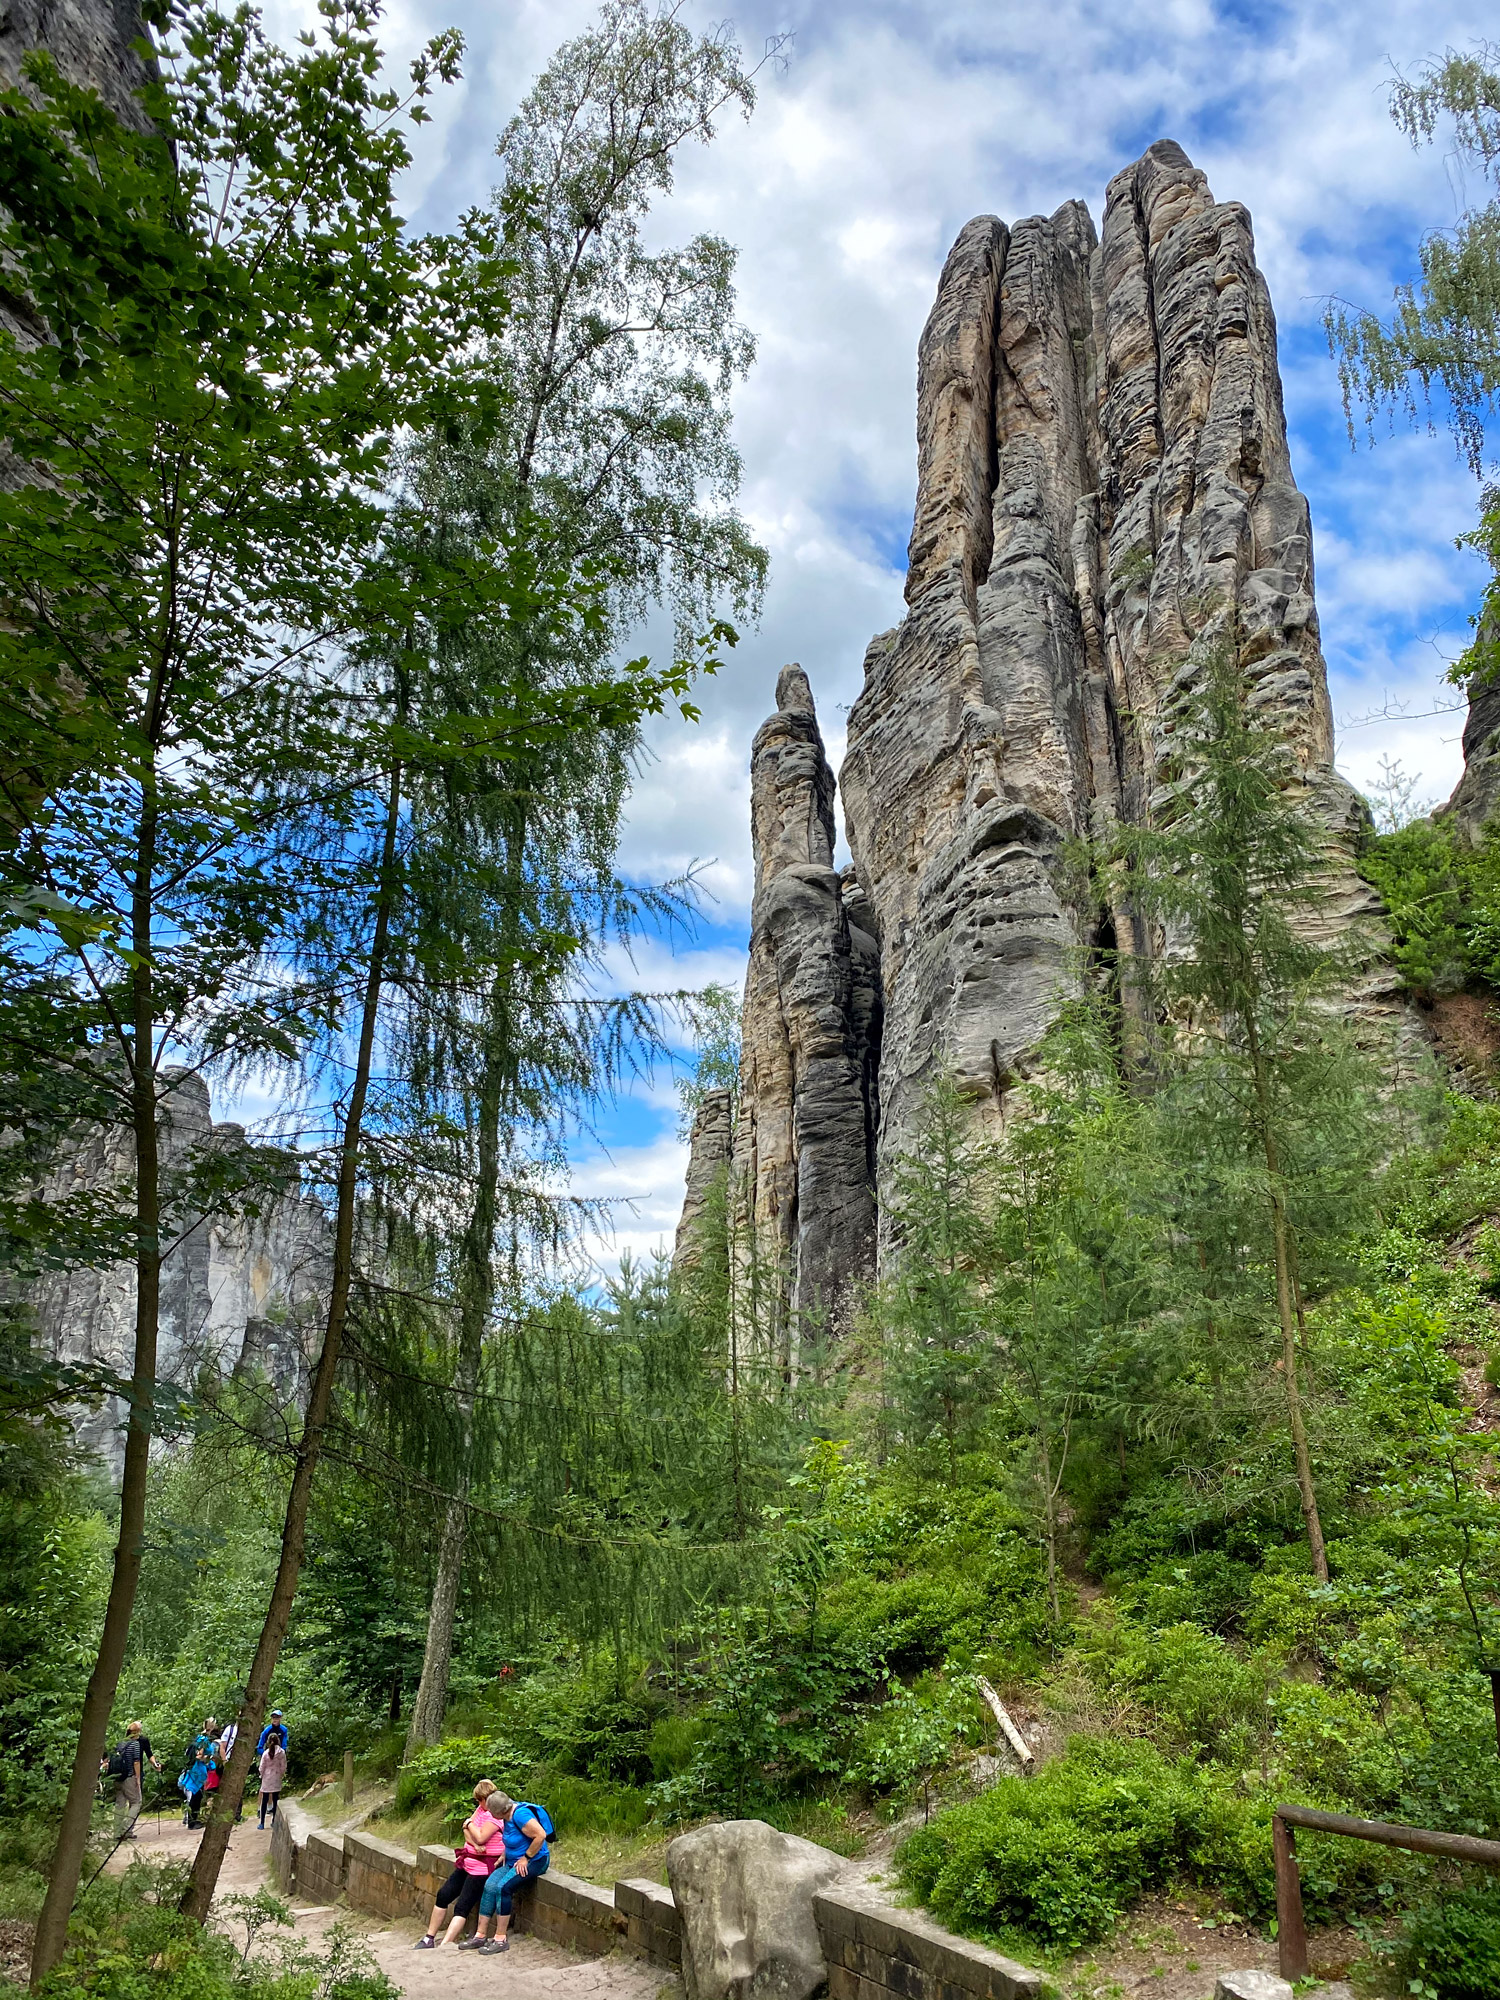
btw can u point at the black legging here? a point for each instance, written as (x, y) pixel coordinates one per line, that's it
(463, 1891)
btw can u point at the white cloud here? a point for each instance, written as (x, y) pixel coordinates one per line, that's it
(892, 123)
(646, 1184)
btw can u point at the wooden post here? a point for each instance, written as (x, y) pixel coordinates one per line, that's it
(1291, 1931)
(348, 1777)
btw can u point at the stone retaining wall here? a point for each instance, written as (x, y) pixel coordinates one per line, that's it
(289, 1833)
(875, 1952)
(381, 1878)
(323, 1866)
(564, 1909)
(652, 1922)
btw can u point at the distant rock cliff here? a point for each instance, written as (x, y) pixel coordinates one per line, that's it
(240, 1294)
(1103, 478)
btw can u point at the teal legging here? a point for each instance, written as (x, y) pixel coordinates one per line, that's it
(499, 1888)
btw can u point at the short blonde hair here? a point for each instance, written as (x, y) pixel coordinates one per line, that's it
(483, 1790)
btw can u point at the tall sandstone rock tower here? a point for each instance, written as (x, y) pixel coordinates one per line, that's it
(1103, 478)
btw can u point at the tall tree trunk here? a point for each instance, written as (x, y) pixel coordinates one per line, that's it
(1287, 1313)
(198, 1896)
(1287, 1309)
(431, 1703)
(73, 1826)
(477, 1300)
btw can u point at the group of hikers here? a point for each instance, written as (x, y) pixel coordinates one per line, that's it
(503, 1843)
(207, 1761)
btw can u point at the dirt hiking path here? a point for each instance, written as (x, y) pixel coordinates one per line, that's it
(529, 1970)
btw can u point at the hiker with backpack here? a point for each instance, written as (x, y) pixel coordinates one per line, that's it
(527, 1830)
(193, 1784)
(483, 1847)
(124, 1765)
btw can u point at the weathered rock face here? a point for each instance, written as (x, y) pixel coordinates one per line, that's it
(1475, 803)
(745, 1893)
(90, 40)
(710, 1145)
(1103, 478)
(239, 1294)
(802, 1176)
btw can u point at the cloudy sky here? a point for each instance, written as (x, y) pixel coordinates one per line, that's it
(885, 127)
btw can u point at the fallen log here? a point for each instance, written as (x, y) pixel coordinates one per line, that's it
(1009, 1730)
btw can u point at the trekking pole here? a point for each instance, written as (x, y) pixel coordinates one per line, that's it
(119, 1843)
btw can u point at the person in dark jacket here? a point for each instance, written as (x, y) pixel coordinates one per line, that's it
(124, 1766)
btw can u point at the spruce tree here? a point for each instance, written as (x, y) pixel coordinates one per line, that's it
(1272, 1100)
(614, 367)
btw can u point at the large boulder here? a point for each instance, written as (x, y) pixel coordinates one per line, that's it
(745, 1893)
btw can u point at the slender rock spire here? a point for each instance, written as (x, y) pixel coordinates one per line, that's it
(802, 1175)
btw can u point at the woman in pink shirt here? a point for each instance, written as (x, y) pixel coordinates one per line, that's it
(484, 1845)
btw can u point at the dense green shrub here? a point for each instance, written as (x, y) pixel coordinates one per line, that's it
(453, 1767)
(587, 1724)
(1060, 1857)
(915, 1732)
(128, 1942)
(1450, 1948)
(781, 1715)
(446, 1773)
(674, 1744)
(1198, 1694)
(1421, 873)
(54, 1572)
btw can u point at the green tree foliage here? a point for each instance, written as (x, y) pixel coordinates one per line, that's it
(613, 369)
(1234, 876)
(1444, 333)
(251, 1952)
(715, 1015)
(618, 359)
(1443, 901)
(208, 555)
(52, 1585)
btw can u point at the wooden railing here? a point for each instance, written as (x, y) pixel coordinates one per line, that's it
(1291, 1931)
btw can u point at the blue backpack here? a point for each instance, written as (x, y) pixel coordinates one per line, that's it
(525, 1810)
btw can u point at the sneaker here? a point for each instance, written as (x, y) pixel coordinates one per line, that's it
(474, 1943)
(493, 1945)
(426, 1944)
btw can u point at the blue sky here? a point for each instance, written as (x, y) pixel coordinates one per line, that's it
(887, 127)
